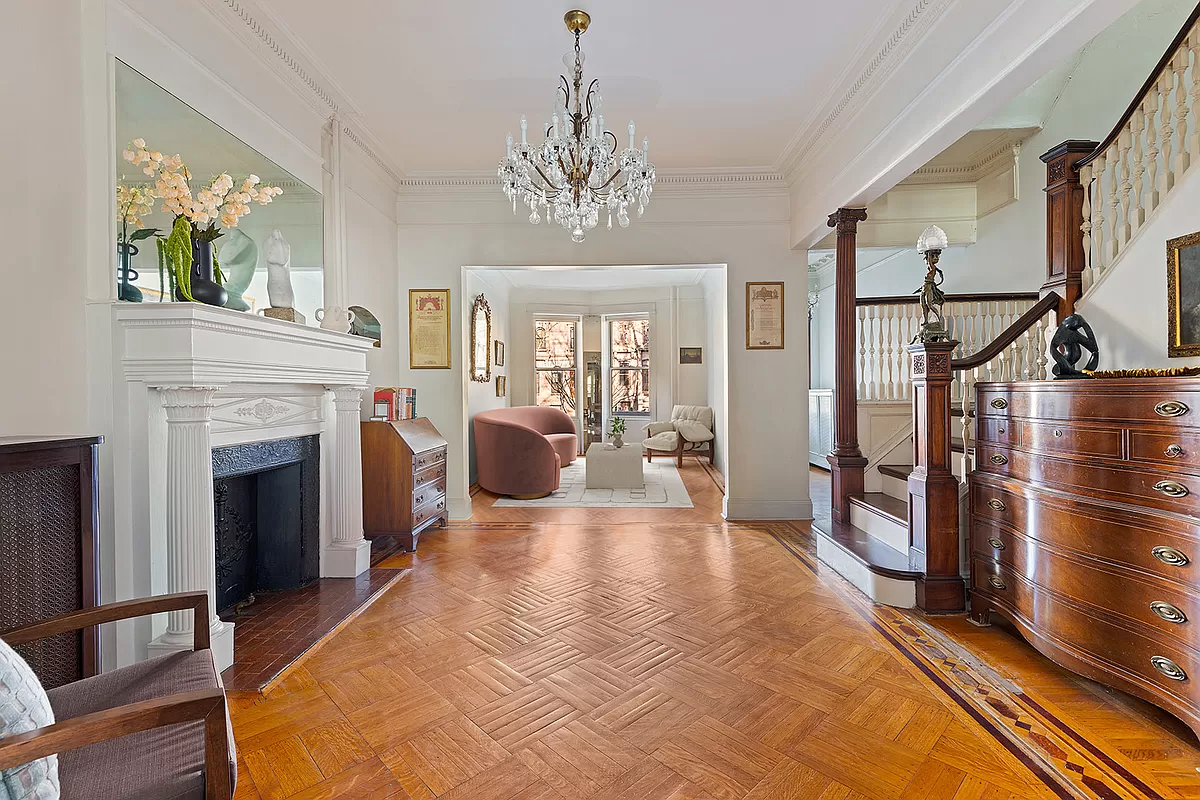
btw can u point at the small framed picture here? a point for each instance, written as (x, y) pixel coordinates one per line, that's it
(764, 316)
(1183, 296)
(499, 359)
(501, 386)
(691, 355)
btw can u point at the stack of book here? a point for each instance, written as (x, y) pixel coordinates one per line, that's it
(393, 403)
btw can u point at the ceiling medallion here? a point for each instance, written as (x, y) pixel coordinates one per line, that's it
(577, 170)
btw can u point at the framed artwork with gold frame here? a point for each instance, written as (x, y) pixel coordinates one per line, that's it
(429, 329)
(1183, 296)
(764, 316)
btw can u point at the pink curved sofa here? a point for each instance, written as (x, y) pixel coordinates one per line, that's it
(519, 451)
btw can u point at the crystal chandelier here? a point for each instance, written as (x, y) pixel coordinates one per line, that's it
(577, 170)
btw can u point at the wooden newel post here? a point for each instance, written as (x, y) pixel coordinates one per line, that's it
(932, 487)
(846, 462)
(1064, 216)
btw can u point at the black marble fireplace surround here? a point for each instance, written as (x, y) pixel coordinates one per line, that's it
(267, 500)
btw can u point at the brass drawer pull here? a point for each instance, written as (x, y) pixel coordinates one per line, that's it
(1057, 434)
(995, 543)
(996, 504)
(1171, 489)
(1168, 668)
(999, 402)
(1168, 612)
(999, 458)
(1171, 408)
(997, 583)
(1173, 451)
(1169, 555)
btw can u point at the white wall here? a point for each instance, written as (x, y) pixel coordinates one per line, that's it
(482, 396)
(716, 349)
(767, 459)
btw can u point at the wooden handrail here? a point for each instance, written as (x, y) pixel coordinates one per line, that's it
(980, 297)
(1146, 87)
(1009, 335)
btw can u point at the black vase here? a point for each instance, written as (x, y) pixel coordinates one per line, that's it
(126, 274)
(204, 288)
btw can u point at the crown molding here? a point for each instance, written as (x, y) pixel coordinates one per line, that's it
(289, 58)
(994, 162)
(847, 99)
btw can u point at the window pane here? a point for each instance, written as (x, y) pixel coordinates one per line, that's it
(555, 339)
(630, 340)
(631, 391)
(557, 388)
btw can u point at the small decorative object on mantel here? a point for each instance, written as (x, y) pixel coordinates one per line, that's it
(930, 244)
(366, 324)
(277, 252)
(188, 250)
(501, 385)
(133, 203)
(481, 340)
(239, 260)
(1073, 336)
(691, 355)
(617, 427)
(499, 360)
(764, 316)
(1183, 296)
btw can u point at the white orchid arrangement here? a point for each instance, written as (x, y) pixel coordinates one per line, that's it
(216, 202)
(197, 214)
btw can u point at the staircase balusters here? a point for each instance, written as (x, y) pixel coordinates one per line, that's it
(889, 380)
(1179, 67)
(1085, 180)
(1123, 146)
(862, 352)
(1151, 110)
(872, 359)
(1194, 49)
(1166, 82)
(1114, 204)
(1096, 195)
(1139, 167)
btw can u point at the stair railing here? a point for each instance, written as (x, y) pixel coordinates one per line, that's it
(886, 326)
(1153, 144)
(935, 543)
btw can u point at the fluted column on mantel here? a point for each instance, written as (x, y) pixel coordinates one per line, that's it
(191, 547)
(348, 554)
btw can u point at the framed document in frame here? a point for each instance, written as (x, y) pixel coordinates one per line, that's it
(764, 316)
(429, 328)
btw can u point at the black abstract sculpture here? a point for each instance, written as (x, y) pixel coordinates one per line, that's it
(1073, 336)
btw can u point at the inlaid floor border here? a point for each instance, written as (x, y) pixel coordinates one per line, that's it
(1052, 749)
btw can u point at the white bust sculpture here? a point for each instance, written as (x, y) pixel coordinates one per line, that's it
(278, 255)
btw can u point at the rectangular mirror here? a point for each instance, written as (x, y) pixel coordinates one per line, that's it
(262, 247)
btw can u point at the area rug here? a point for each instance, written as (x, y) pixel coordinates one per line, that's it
(664, 489)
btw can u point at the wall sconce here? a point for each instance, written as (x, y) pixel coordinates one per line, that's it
(930, 244)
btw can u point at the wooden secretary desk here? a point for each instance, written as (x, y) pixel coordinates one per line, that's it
(404, 479)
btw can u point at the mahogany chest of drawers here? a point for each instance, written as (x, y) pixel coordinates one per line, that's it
(1085, 528)
(404, 479)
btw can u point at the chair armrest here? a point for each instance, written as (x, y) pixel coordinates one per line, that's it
(113, 723)
(87, 617)
(655, 428)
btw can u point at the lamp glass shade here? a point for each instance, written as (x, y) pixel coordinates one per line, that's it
(932, 238)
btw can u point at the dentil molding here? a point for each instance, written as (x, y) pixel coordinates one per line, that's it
(707, 183)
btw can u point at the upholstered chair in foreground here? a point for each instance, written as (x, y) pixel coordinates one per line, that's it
(690, 431)
(519, 450)
(153, 730)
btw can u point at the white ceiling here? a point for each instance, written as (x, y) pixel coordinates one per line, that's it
(600, 278)
(711, 83)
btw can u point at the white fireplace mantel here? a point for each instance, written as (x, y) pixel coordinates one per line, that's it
(187, 378)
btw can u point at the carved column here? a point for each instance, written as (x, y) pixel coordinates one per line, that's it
(932, 487)
(348, 554)
(335, 316)
(1064, 216)
(191, 545)
(846, 462)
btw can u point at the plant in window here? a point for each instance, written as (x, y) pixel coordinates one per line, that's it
(187, 251)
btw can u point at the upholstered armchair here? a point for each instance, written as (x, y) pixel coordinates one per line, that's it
(690, 431)
(155, 729)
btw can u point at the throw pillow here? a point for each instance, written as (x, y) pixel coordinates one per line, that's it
(24, 706)
(693, 431)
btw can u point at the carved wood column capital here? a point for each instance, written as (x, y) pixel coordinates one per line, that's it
(846, 220)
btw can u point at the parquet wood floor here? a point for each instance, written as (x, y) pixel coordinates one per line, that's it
(646, 659)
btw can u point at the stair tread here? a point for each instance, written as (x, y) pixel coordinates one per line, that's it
(872, 553)
(885, 504)
(901, 471)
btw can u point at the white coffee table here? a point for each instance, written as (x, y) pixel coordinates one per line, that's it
(608, 467)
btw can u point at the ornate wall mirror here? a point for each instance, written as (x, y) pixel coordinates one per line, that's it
(481, 340)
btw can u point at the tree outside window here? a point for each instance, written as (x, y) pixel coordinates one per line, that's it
(629, 365)
(555, 363)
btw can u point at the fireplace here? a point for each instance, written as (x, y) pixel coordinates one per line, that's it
(266, 509)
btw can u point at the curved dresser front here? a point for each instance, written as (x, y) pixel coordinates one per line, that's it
(1085, 528)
